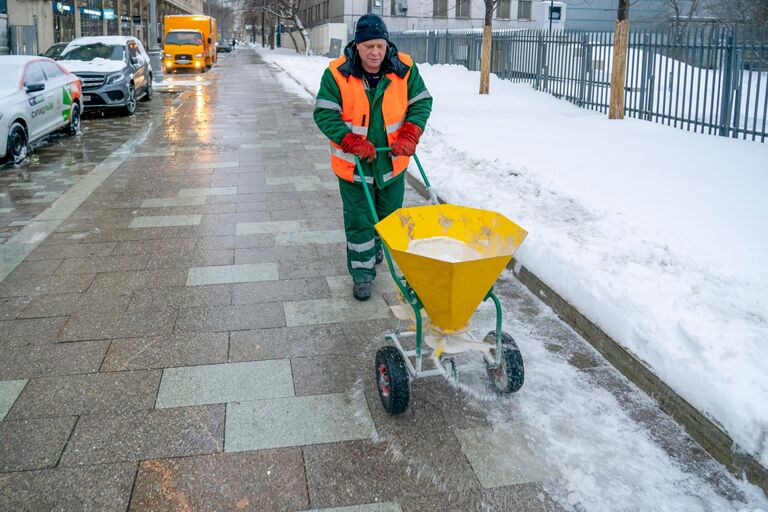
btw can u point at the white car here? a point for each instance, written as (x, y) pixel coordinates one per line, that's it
(37, 97)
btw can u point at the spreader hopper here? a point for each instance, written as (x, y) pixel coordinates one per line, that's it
(450, 290)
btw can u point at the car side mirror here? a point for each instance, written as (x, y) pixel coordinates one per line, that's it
(209, 40)
(35, 86)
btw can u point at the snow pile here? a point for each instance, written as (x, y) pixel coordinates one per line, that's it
(443, 248)
(653, 233)
(98, 65)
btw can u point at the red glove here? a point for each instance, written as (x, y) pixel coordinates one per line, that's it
(405, 145)
(355, 144)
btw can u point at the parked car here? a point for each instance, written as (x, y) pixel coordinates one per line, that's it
(55, 50)
(37, 96)
(223, 46)
(115, 71)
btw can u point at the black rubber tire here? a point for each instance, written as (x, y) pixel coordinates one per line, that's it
(130, 102)
(17, 142)
(510, 376)
(148, 93)
(74, 120)
(392, 380)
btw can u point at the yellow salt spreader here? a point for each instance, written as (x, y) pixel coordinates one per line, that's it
(441, 296)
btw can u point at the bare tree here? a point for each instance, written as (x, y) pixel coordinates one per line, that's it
(276, 10)
(485, 52)
(748, 13)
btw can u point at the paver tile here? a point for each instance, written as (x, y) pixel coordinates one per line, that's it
(55, 359)
(298, 421)
(333, 310)
(102, 488)
(222, 383)
(332, 236)
(247, 273)
(262, 480)
(286, 342)
(169, 202)
(166, 351)
(231, 318)
(269, 227)
(33, 444)
(95, 393)
(163, 221)
(9, 392)
(103, 264)
(212, 191)
(36, 331)
(279, 291)
(503, 455)
(69, 303)
(368, 507)
(146, 435)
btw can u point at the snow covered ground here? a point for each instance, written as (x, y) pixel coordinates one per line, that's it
(653, 233)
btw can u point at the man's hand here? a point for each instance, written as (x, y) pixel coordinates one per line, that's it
(407, 138)
(355, 144)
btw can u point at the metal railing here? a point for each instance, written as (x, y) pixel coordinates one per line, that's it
(710, 80)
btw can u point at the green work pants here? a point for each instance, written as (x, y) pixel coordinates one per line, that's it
(358, 223)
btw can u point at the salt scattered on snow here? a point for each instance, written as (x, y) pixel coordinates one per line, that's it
(443, 248)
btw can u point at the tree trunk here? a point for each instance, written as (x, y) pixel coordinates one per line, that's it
(293, 40)
(619, 66)
(485, 51)
(263, 28)
(271, 34)
(303, 31)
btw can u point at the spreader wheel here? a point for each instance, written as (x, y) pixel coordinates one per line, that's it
(392, 380)
(509, 377)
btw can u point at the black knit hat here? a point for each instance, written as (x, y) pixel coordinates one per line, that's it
(370, 26)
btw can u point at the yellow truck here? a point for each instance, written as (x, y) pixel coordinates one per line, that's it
(189, 42)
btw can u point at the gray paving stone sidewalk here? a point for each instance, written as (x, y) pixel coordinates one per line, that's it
(186, 340)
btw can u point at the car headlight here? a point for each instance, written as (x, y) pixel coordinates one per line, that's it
(167, 55)
(199, 56)
(114, 78)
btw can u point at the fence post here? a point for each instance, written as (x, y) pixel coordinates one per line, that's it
(726, 99)
(540, 62)
(586, 64)
(738, 65)
(646, 79)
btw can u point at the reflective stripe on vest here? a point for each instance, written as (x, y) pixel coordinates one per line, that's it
(355, 110)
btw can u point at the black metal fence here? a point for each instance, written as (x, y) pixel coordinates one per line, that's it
(710, 80)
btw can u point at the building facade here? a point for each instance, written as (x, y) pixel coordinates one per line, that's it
(402, 15)
(34, 25)
(600, 15)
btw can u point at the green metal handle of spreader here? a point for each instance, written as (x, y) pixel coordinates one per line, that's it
(398, 280)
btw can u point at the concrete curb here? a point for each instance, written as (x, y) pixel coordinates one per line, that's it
(713, 439)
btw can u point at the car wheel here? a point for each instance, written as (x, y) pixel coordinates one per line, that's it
(74, 120)
(149, 91)
(130, 101)
(17, 143)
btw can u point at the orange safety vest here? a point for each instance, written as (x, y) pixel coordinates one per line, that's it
(356, 111)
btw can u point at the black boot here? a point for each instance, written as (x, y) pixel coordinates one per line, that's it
(379, 254)
(362, 291)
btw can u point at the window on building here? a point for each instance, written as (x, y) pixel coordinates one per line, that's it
(3, 7)
(399, 7)
(524, 9)
(503, 9)
(440, 8)
(462, 8)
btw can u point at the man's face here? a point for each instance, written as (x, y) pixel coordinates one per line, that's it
(372, 54)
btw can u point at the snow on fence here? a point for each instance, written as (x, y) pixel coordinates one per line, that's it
(711, 80)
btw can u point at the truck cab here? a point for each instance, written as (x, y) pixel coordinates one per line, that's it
(184, 49)
(189, 42)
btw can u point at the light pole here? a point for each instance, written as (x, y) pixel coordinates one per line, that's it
(155, 59)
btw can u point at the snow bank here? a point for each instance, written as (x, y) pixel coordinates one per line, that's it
(653, 233)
